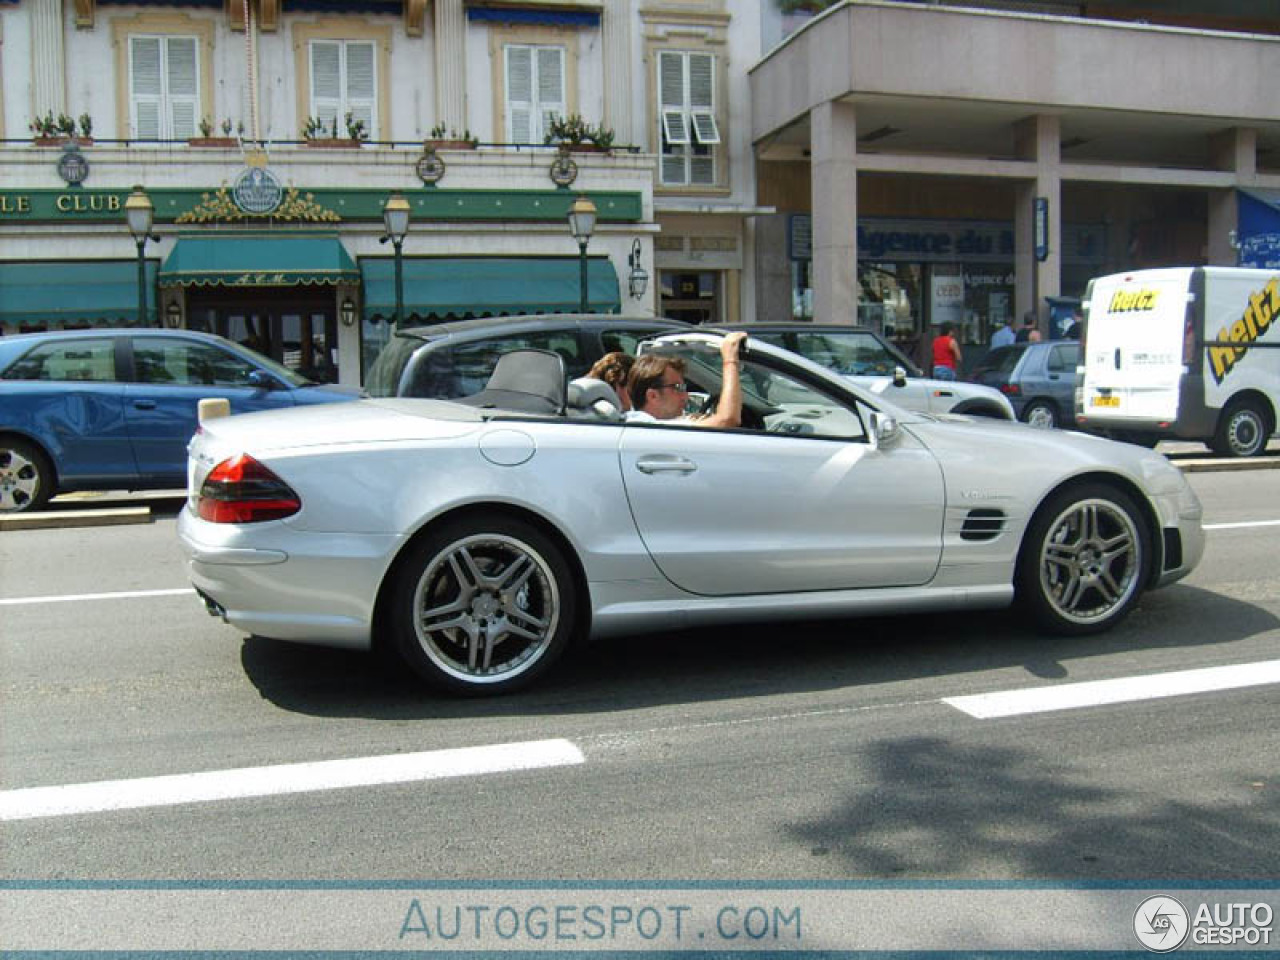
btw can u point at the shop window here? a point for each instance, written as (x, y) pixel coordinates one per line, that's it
(535, 90)
(344, 81)
(689, 131)
(164, 87)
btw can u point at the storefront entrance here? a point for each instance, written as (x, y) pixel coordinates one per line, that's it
(296, 326)
(691, 297)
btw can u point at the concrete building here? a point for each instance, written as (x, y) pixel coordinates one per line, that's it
(269, 135)
(895, 163)
(994, 160)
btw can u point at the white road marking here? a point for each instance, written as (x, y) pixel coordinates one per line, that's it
(74, 597)
(1242, 525)
(288, 778)
(1070, 696)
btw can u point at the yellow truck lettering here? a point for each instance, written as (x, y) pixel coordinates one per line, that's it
(1126, 301)
(1263, 307)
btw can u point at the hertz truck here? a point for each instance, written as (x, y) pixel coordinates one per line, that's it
(1191, 353)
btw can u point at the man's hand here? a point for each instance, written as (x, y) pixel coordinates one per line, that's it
(730, 346)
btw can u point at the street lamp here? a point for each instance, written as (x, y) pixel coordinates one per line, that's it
(140, 214)
(582, 223)
(395, 217)
(638, 280)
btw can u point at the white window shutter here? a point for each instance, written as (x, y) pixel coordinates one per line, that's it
(182, 80)
(702, 81)
(326, 82)
(551, 93)
(673, 126)
(520, 103)
(146, 87)
(671, 81)
(361, 87)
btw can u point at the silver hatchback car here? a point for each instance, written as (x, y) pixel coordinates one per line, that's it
(870, 361)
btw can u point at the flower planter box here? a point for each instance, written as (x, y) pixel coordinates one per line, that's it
(583, 148)
(341, 143)
(448, 145)
(62, 141)
(213, 142)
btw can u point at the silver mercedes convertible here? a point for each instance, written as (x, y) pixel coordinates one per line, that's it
(479, 537)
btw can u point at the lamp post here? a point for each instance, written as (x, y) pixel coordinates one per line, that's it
(140, 214)
(395, 217)
(638, 279)
(582, 223)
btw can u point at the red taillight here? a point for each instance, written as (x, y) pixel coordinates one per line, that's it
(241, 490)
(1011, 389)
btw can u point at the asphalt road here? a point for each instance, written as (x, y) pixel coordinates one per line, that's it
(815, 751)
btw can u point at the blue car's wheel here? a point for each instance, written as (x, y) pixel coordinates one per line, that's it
(26, 478)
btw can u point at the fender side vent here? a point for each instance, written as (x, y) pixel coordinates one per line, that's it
(983, 525)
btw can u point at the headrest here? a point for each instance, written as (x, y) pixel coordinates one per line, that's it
(587, 394)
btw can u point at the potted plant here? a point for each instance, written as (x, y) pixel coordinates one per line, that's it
(441, 139)
(574, 133)
(207, 139)
(51, 131)
(316, 134)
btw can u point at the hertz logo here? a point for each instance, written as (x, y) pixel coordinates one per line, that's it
(1126, 301)
(1263, 308)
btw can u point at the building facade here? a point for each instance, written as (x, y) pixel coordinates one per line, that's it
(268, 136)
(935, 163)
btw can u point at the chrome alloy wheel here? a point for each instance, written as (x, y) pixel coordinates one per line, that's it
(486, 609)
(1090, 561)
(19, 480)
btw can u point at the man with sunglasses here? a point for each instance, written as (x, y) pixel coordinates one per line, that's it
(658, 389)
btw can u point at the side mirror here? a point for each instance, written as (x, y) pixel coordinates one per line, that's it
(884, 430)
(899, 377)
(261, 380)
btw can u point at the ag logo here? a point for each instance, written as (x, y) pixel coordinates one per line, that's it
(1161, 924)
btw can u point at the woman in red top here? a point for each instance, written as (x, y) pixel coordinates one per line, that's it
(946, 354)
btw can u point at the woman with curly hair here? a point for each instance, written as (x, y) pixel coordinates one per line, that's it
(614, 368)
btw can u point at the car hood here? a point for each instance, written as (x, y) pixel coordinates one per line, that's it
(362, 421)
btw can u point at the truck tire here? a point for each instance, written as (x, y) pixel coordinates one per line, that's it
(1243, 430)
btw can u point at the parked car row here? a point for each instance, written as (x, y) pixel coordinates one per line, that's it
(115, 409)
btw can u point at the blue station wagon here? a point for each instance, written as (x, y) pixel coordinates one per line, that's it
(114, 409)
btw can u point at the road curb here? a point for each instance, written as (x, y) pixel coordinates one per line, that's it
(1227, 466)
(55, 519)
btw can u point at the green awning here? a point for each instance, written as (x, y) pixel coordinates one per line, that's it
(66, 291)
(257, 260)
(488, 286)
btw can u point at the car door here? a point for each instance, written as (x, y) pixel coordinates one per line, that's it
(1060, 374)
(66, 394)
(171, 375)
(805, 504)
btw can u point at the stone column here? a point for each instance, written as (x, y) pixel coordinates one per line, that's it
(451, 65)
(617, 29)
(1235, 150)
(48, 61)
(1038, 139)
(834, 157)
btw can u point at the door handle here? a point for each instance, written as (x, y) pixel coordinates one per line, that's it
(145, 404)
(665, 463)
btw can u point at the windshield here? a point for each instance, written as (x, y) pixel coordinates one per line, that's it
(383, 379)
(855, 353)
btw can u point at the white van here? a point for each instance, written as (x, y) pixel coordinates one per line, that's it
(1190, 353)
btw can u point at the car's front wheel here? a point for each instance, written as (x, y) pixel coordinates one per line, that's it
(26, 478)
(1042, 414)
(483, 605)
(1085, 559)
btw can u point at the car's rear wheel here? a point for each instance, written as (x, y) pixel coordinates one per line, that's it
(1085, 559)
(483, 605)
(1042, 414)
(1243, 430)
(26, 477)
